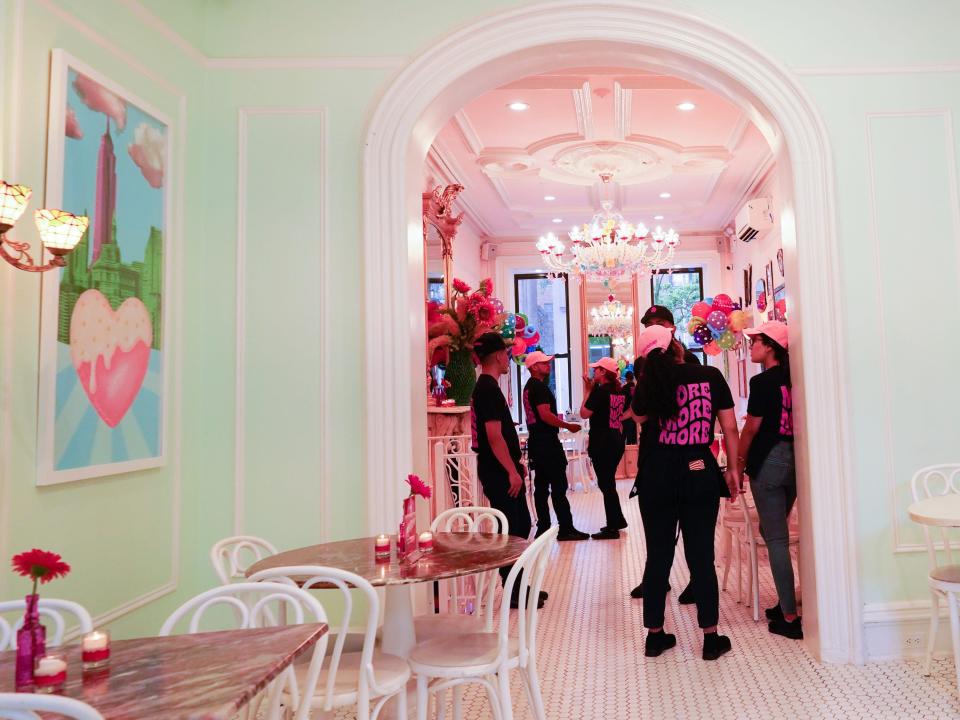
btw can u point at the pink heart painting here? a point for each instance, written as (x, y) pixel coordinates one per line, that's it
(110, 351)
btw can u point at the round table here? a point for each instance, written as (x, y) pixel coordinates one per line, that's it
(940, 510)
(453, 555)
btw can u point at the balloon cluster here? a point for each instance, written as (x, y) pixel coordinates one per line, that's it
(717, 324)
(523, 336)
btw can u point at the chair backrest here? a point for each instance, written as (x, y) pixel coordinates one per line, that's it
(257, 605)
(527, 572)
(233, 555)
(934, 481)
(474, 519)
(51, 612)
(25, 706)
(320, 577)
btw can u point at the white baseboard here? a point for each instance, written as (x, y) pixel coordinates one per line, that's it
(898, 631)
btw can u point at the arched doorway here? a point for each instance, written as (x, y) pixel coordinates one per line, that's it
(534, 39)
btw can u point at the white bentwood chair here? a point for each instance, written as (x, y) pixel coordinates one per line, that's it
(487, 658)
(233, 555)
(26, 706)
(257, 605)
(352, 678)
(943, 579)
(51, 610)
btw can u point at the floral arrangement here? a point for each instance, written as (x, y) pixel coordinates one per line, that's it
(418, 487)
(40, 565)
(470, 315)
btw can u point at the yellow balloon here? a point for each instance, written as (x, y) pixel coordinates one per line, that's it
(738, 320)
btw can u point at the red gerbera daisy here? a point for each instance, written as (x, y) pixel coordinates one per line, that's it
(40, 565)
(418, 486)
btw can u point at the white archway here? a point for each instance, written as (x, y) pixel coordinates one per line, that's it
(538, 38)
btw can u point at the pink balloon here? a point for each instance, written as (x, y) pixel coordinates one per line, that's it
(519, 346)
(724, 303)
(701, 310)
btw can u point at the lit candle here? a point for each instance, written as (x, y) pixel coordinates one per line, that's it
(426, 541)
(50, 672)
(95, 649)
(381, 546)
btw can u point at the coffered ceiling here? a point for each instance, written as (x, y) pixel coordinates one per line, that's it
(586, 121)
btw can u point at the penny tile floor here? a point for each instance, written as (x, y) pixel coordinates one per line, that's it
(592, 664)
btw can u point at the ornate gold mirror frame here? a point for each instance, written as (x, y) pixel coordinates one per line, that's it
(438, 215)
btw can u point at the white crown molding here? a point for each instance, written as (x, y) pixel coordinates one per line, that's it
(440, 160)
(469, 133)
(154, 22)
(737, 132)
(486, 54)
(305, 63)
(747, 187)
(827, 70)
(583, 108)
(623, 110)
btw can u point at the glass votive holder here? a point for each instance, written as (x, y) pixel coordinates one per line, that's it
(95, 649)
(381, 547)
(50, 672)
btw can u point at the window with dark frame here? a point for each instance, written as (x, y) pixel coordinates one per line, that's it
(536, 296)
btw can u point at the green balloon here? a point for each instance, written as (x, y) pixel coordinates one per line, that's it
(727, 340)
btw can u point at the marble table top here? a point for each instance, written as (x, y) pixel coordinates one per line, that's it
(453, 554)
(204, 676)
(940, 510)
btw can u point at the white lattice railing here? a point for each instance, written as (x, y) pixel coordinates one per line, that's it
(454, 483)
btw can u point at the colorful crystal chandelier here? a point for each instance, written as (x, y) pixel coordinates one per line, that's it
(612, 318)
(608, 246)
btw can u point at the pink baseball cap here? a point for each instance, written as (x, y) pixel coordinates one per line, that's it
(608, 364)
(655, 337)
(536, 357)
(775, 330)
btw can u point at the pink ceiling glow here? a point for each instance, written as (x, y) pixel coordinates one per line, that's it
(587, 121)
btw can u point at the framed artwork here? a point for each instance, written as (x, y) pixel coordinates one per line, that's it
(780, 261)
(770, 285)
(103, 366)
(742, 378)
(747, 288)
(761, 295)
(780, 303)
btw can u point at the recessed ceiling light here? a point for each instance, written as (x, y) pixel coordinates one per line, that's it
(686, 106)
(664, 195)
(658, 217)
(548, 198)
(519, 106)
(558, 220)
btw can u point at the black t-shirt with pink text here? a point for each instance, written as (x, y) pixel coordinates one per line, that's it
(770, 400)
(607, 403)
(702, 392)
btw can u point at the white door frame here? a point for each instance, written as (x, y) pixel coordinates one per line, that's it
(535, 39)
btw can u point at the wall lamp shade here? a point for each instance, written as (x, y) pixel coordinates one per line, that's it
(60, 231)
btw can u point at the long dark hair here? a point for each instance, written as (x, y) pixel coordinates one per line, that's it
(659, 382)
(780, 354)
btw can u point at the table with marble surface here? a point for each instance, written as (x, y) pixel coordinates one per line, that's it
(454, 555)
(203, 676)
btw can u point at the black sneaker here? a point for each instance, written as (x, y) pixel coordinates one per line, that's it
(657, 642)
(622, 525)
(606, 534)
(774, 613)
(572, 534)
(686, 597)
(788, 628)
(637, 592)
(515, 602)
(715, 645)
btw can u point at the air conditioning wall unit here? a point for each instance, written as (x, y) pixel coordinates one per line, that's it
(488, 251)
(754, 219)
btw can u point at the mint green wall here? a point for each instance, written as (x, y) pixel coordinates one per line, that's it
(304, 140)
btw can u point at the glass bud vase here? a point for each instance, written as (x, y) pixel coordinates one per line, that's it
(31, 642)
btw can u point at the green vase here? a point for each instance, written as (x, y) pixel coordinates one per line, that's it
(462, 376)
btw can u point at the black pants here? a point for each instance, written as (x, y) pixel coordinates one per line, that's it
(605, 458)
(496, 487)
(549, 464)
(670, 492)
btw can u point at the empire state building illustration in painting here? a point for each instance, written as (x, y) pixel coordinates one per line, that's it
(106, 400)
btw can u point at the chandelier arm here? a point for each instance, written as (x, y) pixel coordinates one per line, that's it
(22, 260)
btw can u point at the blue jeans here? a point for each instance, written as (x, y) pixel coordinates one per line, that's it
(774, 492)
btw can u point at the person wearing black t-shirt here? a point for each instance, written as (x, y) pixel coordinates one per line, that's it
(495, 441)
(681, 482)
(660, 315)
(767, 444)
(548, 461)
(629, 424)
(604, 406)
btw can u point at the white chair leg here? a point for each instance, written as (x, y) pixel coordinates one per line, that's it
(955, 633)
(932, 632)
(402, 704)
(423, 698)
(458, 702)
(492, 695)
(441, 700)
(739, 570)
(533, 690)
(506, 702)
(755, 583)
(725, 550)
